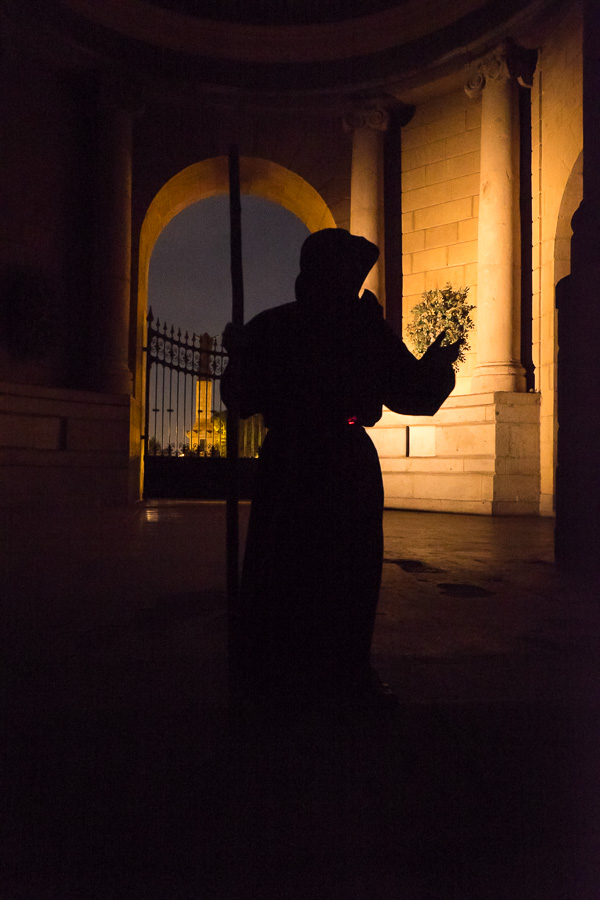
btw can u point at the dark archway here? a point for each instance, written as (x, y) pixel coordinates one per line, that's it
(571, 199)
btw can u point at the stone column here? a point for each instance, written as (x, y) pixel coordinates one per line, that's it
(577, 536)
(368, 122)
(498, 273)
(110, 362)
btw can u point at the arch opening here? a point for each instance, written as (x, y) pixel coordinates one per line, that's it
(200, 181)
(189, 281)
(258, 177)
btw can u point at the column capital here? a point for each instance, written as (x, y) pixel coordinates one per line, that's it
(375, 112)
(508, 60)
(367, 113)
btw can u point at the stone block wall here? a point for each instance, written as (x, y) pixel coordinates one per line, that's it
(440, 187)
(486, 456)
(440, 198)
(60, 447)
(59, 443)
(45, 232)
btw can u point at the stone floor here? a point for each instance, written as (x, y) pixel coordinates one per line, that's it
(122, 779)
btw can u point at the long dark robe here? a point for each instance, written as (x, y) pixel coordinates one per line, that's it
(318, 371)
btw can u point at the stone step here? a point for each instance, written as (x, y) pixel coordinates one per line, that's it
(439, 464)
(458, 490)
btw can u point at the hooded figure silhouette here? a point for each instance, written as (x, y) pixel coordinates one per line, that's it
(319, 370)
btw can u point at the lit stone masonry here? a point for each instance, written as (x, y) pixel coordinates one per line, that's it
(498, 274)
(478, 454)
(481, 452)
(368, 122)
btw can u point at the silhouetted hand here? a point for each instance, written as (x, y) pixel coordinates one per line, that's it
(439, 355)
(448, 354)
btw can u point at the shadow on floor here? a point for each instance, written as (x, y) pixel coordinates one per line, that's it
(122, 780)
(457, 802)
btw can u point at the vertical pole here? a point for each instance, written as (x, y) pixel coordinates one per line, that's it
(237, 319)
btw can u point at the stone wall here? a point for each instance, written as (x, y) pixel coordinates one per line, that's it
(60, 447)
(440, 179)
(440, 198)
(557, 143)
(59, 443)
(478, 454)
(446, 462)
(44, 232)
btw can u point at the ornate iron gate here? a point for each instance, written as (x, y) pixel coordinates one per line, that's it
(185, 419)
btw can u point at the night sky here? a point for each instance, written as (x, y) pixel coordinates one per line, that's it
(189, 283)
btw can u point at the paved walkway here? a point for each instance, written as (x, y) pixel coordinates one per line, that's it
(124, 782)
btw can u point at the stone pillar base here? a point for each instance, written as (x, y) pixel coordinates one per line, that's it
(498, 377)
(65, 447)
(478, 454)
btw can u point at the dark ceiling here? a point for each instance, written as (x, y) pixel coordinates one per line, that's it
(278, 12)
(313, 51)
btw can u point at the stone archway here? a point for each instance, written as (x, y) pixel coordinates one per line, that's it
(258, 177)
(208, 178)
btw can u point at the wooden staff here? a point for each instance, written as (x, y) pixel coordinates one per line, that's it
(233, 418)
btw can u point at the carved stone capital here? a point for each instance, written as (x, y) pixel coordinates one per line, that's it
(367, 114)
(509, 60)
(475, 83)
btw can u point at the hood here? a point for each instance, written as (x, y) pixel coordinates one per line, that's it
(335, 262)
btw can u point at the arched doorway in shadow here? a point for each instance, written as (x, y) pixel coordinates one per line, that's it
(571, 199)
(208, 179)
